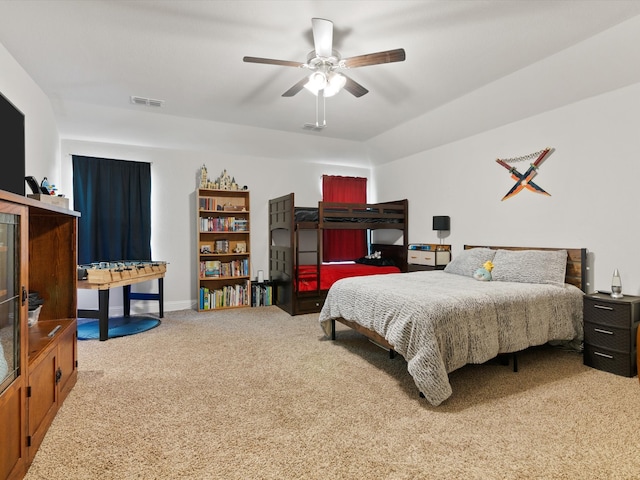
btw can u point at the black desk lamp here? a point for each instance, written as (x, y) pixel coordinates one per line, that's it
(441, 223)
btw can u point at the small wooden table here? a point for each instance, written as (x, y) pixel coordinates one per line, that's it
(102, 314)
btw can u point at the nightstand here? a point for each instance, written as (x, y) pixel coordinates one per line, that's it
(428, 256)
(610, 329)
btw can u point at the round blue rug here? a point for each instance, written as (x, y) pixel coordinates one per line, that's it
(88, 329)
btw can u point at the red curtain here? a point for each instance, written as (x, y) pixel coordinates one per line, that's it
(339, 245)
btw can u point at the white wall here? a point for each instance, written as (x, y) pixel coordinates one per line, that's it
(173, 226)
(592, 177)
(42, 157)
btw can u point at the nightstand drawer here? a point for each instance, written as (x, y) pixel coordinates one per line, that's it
(610, 361)
(609, 337)
(610, 313)
(432, 258)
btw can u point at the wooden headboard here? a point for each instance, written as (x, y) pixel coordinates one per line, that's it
(576, 273)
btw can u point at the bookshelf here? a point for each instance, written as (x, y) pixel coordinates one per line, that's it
(224, 253)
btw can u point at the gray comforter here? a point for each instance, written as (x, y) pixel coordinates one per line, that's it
(440, 321)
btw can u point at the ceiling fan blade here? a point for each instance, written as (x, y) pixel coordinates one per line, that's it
(322, 36)
(270, 61)
(353, 87)
(388, 56)
(296, 88)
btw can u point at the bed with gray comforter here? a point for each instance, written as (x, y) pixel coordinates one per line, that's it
(440, 321)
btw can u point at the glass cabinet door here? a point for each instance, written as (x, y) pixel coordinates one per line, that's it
(9, 299)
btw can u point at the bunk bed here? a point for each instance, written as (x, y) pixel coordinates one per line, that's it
(300, 278)
(440, 321)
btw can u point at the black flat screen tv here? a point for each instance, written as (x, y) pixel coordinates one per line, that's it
(12, 162)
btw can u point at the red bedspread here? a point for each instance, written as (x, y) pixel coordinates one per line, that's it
(330, 273)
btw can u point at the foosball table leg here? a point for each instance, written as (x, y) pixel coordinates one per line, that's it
(103, 314)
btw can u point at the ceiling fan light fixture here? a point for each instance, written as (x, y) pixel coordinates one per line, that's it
(322, 62)
(317, 81)
(335, 83)
(330, 82)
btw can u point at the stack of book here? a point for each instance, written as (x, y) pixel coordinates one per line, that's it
(222, 246)
(227, 296)
(261, 294)
(217, 268)
(240, 225)
(208, 203)
(223, 224)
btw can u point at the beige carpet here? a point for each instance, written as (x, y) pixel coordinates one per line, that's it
(257, 394)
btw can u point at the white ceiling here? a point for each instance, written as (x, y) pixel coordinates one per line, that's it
(189, 53)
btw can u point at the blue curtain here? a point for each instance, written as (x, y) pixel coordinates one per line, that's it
(114, 199)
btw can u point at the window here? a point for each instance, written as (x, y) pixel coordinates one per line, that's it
(114, 198)
(340, 245)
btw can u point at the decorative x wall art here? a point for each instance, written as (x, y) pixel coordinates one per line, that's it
(524, 180)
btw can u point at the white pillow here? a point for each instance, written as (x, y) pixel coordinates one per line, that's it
(468, 261)
(530, 266)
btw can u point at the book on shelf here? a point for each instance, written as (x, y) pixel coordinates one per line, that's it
(211, 268)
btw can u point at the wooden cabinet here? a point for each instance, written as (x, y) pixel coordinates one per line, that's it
(52, 374)
(13, 455)
(610, 329)
(41, 256)
(224, 251)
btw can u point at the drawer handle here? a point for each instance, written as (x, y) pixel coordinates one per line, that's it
(603, 355)
(599, 330)
(603, 307)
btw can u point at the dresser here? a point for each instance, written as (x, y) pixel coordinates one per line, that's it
(610, 330)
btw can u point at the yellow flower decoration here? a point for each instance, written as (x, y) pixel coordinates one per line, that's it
(488, 265)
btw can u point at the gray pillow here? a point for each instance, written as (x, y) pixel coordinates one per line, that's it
(468, 261)
(530, 266)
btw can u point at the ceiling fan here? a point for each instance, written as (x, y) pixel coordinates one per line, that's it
(325, 64)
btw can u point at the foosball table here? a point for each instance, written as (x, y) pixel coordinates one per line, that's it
(103, 276)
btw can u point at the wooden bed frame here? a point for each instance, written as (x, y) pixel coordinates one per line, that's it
(576, 274)
(284, 257)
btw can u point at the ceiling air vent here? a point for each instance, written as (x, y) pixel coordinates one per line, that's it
(149, 102)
